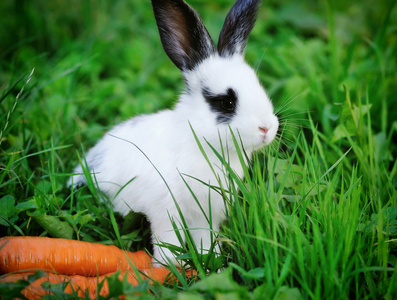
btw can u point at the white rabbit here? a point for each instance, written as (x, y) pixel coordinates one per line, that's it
(222, 93)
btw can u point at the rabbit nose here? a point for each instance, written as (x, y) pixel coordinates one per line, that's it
(264, 129)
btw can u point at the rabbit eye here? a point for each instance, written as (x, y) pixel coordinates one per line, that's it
(222, 104)
(228, 104)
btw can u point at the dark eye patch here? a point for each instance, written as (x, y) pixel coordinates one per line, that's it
(222, 104)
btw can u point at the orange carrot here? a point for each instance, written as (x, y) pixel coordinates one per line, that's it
(82, 284)
(68, 257)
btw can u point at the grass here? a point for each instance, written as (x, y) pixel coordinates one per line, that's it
(315, 216)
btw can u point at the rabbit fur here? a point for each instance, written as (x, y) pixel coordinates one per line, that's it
(141, 160)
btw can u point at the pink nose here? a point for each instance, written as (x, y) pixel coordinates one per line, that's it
(264, 129)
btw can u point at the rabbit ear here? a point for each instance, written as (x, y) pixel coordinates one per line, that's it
(238, 25)
(183, 35)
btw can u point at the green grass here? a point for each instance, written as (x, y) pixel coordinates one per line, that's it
(315, 216)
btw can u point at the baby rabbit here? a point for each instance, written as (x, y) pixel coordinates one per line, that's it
(141, 160)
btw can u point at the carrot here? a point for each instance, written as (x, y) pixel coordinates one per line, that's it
(82, 284)
(68, 257)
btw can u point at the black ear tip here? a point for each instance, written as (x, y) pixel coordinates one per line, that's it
(237, 27)
(183, 35)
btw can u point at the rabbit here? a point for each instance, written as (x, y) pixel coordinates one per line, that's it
(142, 163)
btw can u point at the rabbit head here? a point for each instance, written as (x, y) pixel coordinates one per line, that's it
(219, 82)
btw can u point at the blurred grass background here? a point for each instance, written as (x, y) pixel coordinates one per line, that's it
(97, 63)
(114, 57)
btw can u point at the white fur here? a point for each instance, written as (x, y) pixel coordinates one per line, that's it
(168, 142)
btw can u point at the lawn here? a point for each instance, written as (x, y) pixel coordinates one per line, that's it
(315, 216)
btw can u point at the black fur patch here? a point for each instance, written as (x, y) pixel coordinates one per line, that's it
(223, 104)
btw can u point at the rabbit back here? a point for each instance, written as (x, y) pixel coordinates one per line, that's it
(140, 161)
